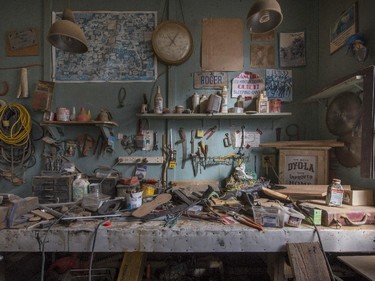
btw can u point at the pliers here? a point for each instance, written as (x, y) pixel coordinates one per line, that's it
(210, 132)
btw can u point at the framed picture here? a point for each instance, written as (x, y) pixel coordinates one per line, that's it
(263, 37)
(292, 49)
(345, 26)
(279, 84)
(303, 166)
(262, 56)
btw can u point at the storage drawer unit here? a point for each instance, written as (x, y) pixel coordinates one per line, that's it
(53, 189)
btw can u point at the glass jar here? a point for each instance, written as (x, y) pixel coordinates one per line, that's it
(335, 193)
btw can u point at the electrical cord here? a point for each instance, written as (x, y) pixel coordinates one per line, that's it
(43, 242)
(93, 248)
(15, 124)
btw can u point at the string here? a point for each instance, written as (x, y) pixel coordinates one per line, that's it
(182, 12)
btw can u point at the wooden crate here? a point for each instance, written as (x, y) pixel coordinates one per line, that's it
(304, 165)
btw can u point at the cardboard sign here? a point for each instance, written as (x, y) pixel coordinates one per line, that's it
(247, 84)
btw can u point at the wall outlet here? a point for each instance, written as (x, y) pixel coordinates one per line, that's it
(269, 160)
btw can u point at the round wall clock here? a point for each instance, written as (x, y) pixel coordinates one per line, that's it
(172, 42)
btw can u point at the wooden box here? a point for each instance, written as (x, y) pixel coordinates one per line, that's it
(359, 197)
(304, 165)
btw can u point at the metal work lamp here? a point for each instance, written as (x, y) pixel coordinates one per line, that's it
(264, 16)
(66, 35)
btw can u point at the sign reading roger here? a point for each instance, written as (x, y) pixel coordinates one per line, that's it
(210, 80)
(247, 84)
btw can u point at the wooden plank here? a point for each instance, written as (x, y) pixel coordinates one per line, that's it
(43, 215)
(364, 265)
(308, 262)
(305, 143)
(307, 190)
(132, 266)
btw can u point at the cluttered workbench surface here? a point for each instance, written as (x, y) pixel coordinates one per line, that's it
(263, 218)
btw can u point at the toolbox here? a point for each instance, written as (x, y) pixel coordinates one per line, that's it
(53, 189)
(344, 215)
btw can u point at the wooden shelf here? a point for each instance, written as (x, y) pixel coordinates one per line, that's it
(77, 123)
(214, 115)
(349, 83)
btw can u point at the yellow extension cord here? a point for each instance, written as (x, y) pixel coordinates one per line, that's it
(15, 132)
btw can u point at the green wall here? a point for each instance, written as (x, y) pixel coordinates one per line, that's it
(176, 84)
(336, 65)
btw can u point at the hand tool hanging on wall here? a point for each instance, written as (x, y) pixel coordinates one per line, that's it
(182, 141)
(172, 151)
(121, 97)
(193, 155)
(210, 132)
(227, 141)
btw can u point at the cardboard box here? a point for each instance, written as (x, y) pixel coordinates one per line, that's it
(359, 197)
(315, 214)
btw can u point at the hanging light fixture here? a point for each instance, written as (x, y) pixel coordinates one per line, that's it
(264, 16)
(66, 35)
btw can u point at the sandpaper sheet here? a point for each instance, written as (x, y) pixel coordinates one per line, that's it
(222, 44)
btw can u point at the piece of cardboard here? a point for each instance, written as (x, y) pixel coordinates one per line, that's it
(222, 44)
(359, 197)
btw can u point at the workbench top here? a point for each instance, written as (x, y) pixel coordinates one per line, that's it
(186, 236)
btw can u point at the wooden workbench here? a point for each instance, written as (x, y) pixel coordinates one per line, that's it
(186, 236)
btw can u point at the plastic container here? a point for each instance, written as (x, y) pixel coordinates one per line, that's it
(335, 193)
(79, 188)
(292, 217)
(263, 103)
(268, 216)
(195, 103)
(224, 101)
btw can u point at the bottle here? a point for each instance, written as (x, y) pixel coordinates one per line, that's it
(158, 102)
(73, 115)
(335, 193)
(203, 103)
(224, 100)
(195, 102)
(262, 103)
(79, 187)
(82, 116)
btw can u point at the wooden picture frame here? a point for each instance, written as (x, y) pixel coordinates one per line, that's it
(304, 165)
(345, 26)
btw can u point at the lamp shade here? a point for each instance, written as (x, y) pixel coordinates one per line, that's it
(66, 35)
(264, 16)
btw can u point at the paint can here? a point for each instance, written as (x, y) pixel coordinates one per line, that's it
(62, 114)
(133, 200)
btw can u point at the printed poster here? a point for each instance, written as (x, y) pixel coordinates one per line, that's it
(247, 84)
(300, 169)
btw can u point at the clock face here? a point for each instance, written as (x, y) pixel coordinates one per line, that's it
(172, 42)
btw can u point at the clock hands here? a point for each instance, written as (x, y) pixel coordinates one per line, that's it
(172, 39)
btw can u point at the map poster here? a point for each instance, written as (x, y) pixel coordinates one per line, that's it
(120, 49)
